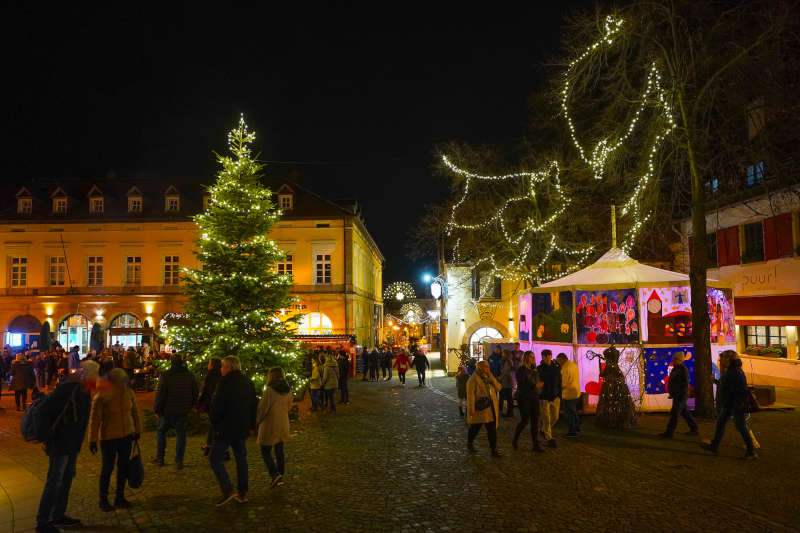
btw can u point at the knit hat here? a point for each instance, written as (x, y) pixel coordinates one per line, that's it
(678, 356)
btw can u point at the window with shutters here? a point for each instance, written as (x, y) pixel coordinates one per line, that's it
(133, 270)
(95, 271)
(19, 271)
(323, 269)
(778, 237)
(753, 243)
(171, 270)
(58, 270)
(728, 246)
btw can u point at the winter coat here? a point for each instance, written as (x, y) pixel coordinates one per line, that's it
(373, 359)
(233, 407)
(527, 378)
(678, 384)
(551, 376)
(461, 384)
(273, 414)
(69, 432)
(73, 360)
(476, 388)
(386, 359)
(129, 360)
(344, 368)
(114, 414)
(734, 386)
(421, 362)
(401, 363)
(22, 376)
(506, 373)
(330, 374)
(209, 386)
(495, 363)
(315, 381)
(570, 381)
(177, 392)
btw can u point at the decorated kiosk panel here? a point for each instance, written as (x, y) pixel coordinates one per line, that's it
(644, 311)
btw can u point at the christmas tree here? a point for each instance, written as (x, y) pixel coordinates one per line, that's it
(236, 300)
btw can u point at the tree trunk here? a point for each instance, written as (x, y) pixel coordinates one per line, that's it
(701, 328)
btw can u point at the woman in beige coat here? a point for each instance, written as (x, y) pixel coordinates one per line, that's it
(115, 419)
(273, 424)
(482, 406)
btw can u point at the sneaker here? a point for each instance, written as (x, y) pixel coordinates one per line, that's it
(692, 433)
(750, 455)
(707, 446)
(66, 521)
(280, 481)
(552, 443)
(275, 480)
(121, 503)
(156, 461)
(47, 528)
(225, 499)
(665, 435)
(241, 497)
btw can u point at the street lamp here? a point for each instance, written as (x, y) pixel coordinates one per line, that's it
(426, 277)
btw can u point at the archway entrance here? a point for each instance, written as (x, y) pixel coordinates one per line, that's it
(22, 331)
(74, 331)
(478, 337)
(126, 330)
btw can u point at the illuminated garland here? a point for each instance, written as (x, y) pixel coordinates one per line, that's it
(412, 313)
(398, 291)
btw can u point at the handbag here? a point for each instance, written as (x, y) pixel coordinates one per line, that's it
(482, 403)
(135, 467)
(750, 402)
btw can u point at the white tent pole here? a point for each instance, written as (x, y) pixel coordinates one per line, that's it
(613, 226)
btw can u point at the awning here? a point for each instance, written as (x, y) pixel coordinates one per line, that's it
(768, 306)
(25, 324)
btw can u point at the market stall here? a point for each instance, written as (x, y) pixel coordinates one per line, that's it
(643, 310)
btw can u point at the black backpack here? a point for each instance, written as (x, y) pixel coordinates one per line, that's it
(35, 426)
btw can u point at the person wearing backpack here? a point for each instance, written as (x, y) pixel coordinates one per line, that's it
(66, 413)
(115, 419)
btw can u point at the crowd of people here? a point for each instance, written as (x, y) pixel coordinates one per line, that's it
(101, 401)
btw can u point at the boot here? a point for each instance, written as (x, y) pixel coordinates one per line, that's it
(121, 503)
(537, 447)
(709, 447)
(105, 505)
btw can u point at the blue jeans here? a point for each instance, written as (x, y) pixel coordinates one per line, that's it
(55, 495)
(315, 399)
(217, 456)
(164, 425)
(266, 454)
(571, 412)
(679, 408)
(738, 421)
(329, 399)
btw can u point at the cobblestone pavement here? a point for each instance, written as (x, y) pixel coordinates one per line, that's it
(395, 460)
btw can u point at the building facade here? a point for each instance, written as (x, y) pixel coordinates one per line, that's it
(110, 253)
(754, 244)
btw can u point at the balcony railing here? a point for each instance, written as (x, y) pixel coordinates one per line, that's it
(98, 291)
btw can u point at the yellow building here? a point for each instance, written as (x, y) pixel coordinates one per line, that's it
(109, 252)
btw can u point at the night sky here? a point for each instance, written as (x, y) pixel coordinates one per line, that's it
(355, 101)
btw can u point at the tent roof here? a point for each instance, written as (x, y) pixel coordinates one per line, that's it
(618, 270)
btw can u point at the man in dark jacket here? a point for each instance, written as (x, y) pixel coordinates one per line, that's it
(496, 362)
(733, 397)
(22, 379)
(550, 395)
(344, 375)
(233, 415)
(72, 397)
(176, 395)
(374, 363)
(421, 364)
(678, 389)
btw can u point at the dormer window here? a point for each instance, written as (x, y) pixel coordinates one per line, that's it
(134, 200)
(59, 206)
(96, 204)
(285, 202)
(172, 200)
(24, 206)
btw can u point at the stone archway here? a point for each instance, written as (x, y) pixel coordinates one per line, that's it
(481, 325)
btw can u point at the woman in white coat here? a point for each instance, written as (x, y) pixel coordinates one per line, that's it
(273, 424)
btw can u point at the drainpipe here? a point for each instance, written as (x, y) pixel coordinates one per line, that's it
(344, 258)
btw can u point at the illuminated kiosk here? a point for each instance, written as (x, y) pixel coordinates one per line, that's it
(643, 310)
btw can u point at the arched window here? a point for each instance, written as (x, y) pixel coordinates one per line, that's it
(315, 324)
(126, 320)
(476, 340)
(74, 331)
